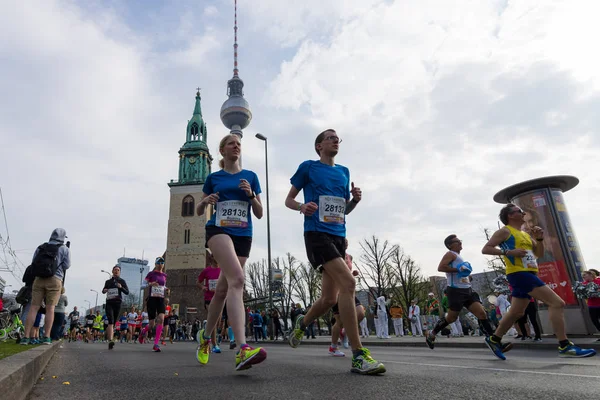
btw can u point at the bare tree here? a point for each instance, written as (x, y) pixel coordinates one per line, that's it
(495, 263)
(411, 284)
(257, 279)
(374, 265)
(307, 283)
(289, 267)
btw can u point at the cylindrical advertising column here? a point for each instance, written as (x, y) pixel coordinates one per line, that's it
(562, 262)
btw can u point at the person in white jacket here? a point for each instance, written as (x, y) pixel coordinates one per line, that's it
(414, 316)
(503, 304)
(364, 329)
(382, 318)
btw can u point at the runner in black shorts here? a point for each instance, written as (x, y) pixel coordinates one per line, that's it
(74, 324)
(235, 194)
(157, 281)
(114, 288)
(329, 196)
(459, 292)
(89, 325)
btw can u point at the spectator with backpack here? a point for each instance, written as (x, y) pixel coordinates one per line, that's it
(24, 295)
(49, 265)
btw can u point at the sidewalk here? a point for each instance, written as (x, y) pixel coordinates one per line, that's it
(19, 372)
(547, 343)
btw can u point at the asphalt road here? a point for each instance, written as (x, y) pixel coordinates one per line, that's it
(132, 371)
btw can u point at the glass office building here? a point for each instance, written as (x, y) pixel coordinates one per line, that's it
(133, 270)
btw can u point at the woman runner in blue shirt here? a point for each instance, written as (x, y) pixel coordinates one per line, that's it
(233, 192)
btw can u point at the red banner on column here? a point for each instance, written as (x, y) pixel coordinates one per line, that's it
(554, 274)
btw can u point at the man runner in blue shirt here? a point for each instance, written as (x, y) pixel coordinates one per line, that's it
(327, 191)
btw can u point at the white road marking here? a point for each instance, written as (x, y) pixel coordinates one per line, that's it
(492, 369)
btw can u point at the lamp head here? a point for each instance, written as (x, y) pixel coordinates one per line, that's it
(261, 137)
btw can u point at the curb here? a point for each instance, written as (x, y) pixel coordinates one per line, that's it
(19, 372)
(548, 344)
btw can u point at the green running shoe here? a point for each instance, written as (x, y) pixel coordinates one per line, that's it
(297, 333)
(203, 349)
(364, 364)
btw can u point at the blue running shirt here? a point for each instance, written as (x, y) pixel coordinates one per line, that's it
(329, 188)
(232, 212)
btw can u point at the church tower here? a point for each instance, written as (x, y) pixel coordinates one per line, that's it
(186, 254)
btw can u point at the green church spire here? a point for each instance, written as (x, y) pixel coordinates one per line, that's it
(194, 158)
(197, 109)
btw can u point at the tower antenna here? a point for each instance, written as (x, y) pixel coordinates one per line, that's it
(235, 44)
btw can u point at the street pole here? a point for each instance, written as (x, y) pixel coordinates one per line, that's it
(106, 272)
(89, 305)
(92, 290)
(264, 139)
(141, 289)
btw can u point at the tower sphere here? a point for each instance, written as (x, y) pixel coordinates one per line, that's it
(235, 113)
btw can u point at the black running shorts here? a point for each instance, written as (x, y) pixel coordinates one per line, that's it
(323, 247)
(113, 309)
(241, 244)
(156, 305)
(336, 309)
(459, 298)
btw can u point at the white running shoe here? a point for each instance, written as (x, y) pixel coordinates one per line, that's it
(335, 352)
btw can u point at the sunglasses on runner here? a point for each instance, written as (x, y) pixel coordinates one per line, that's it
(514, 210)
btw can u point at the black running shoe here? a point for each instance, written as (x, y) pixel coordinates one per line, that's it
(111, 345)
(429, 339)
(506, 347)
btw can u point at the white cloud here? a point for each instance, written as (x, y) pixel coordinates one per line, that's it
(439, 95)
(210, 11)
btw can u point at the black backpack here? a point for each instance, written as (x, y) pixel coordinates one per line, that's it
(45, 263)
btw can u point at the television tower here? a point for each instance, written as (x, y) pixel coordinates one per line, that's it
(235, 112)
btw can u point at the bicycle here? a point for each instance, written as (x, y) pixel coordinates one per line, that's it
(13, 329)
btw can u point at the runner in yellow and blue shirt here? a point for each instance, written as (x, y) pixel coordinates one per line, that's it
(520, 253)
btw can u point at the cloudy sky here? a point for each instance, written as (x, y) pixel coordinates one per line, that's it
(440, 104)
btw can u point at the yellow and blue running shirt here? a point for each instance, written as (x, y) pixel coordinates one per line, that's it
(519, 240)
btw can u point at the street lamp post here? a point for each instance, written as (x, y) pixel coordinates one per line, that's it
(264, 139)
(106, 272)
(141, 288)
(92, 290)
(89, 304)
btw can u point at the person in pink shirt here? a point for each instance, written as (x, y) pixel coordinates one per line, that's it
(337, 330)
(593, 302)
(207, 282)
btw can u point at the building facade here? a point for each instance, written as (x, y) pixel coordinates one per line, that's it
(186, 251)
(133, 270)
